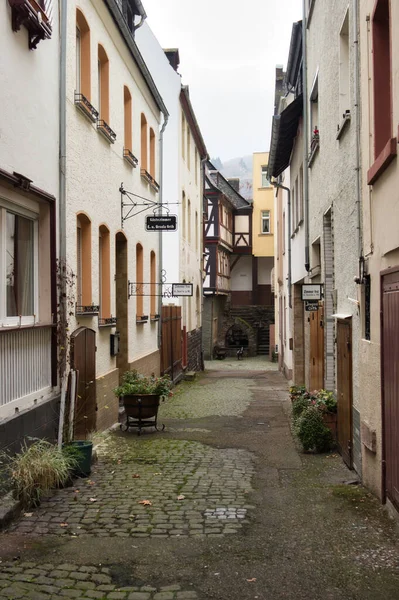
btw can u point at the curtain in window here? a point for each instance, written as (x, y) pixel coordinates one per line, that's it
(19, 271)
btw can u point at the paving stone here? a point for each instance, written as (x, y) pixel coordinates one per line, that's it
(139, 596)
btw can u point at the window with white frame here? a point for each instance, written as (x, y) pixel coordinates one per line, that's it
(265, 221)
(264, 180)
(18, 266)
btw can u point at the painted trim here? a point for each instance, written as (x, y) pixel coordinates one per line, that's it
(382, 161)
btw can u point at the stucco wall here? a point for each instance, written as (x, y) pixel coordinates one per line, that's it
(263, 199)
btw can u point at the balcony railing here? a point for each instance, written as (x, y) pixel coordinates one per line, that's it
(149, 179)
(130, 158)
(106, 130)
(88, 310)
(84, 105)
(107, 322)
(30, 14)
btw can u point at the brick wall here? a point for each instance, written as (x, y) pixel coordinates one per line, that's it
(148, 364)
(107, 402)
(194, 350)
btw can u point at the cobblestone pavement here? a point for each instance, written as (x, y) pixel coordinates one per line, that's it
(50, 582)
(142, 488)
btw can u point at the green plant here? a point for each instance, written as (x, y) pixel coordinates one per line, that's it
(296, 391)
(300, 404)
(311, 431)
(133, 383)
(326, 401)
(37, 469)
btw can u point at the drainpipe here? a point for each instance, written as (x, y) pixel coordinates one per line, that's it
(160, 199)
(357, 122)
(283, 187)
(305, 135)
(61, 284)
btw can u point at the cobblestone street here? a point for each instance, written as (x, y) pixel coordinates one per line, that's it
(220, 505)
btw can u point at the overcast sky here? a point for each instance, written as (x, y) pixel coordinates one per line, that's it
(228, 53)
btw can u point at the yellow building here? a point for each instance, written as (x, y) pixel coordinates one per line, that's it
(263, 207)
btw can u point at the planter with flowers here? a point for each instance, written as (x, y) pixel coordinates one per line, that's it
(314, 416)
(140, 397)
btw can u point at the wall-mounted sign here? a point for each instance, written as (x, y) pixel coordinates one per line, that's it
(311, 291)
(161, 223)
(182, 289)
(311, 306)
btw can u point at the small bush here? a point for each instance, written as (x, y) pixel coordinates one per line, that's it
(300, 404)
(37, 469)
(296, 391)
(311, 431)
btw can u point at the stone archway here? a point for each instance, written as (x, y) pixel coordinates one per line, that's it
(237, 333)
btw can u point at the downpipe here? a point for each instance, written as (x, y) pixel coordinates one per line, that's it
(283, 187)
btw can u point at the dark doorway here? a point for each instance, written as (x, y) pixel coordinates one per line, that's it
(344, 389)
(83, 360)
(121, 295)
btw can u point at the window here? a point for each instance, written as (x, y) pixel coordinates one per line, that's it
(344, 102)
(144, 143)
(315, 259)
(264, 180)
(196, 232)
(183, 135)
(183, 214)
(314, 110)
(103, 84)
(265, 223)
(152, 153)
(189, 220)
(127, 101)
(196, 166)
(104, 272)
(284, 233)
(188, 147)
(18, 267)
(301, 195)
(153, 291)
(83, 260)
(139, 281)
(382, 76)
(197, 308)
(83, 79)
(293, 212)
(296, 204)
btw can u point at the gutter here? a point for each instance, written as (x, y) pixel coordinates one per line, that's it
(357, 122)
(160, 258)
(283, 187)
(305, 135)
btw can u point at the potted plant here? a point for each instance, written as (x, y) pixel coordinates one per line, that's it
(140, 396)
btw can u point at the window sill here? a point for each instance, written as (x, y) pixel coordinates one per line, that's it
(106, 131)
(12, 327)
(85, 107)
(142, 319)
(264, 234)
(315, 271)
(382, 161)
(149, 179)
(313, 153)
(130, 158)
(155, 318)
(344, 124)
(107, 322)
(90, 310)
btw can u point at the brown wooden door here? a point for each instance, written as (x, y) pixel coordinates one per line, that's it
(316, 370)
(344, 390)
(171, 344)
(83, 360)
(390, 382)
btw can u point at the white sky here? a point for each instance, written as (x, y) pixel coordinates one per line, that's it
(228, 53)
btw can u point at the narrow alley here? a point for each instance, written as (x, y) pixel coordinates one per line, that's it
(220, 505)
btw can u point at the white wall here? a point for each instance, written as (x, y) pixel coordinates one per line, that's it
(241, 275)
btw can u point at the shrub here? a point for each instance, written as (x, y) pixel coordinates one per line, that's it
(37, 469)
(326, 401)
(311, 431)
(134, 383)
(298, 406)
(297, 391)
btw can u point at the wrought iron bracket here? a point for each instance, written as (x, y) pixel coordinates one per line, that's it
(158, 289)
(133, 204)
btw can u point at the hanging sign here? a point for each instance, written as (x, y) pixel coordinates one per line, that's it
(161, 223)
(311, 306)
(182, 289)
(311, 291)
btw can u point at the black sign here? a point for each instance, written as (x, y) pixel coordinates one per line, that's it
(311, 306)
(161, 223)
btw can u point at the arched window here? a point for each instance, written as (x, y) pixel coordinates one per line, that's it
(127, 100)
(152, 153)
(197, 308)
(104, 270)
(153, 291)
(83, 260)
(144, 143)
(83, 82)
(188, 148)
(103, 84)
(183, 214)
(189, 221)
(196, 231)
(139, 281)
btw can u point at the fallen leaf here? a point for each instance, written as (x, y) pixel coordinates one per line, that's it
(251, 580)
(157, 473)
(146, 502)
(93, 499)
(136, 476)
(76, 491)
(28, 514)
(63, 524)
(181, 497)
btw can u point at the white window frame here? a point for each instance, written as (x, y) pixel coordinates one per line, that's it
(263, 171)
(33, 215)
(265, 216)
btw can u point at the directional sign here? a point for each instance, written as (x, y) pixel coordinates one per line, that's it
(161, 223)
(311, 306)
(311, 291)
(182, 289)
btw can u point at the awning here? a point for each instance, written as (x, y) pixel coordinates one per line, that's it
(284, 130)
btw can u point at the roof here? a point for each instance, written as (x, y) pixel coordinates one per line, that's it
(284, 130)
(293, 74)
(192, 120)
(117, 14)
(220, 183)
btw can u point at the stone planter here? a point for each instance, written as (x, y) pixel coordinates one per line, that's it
(330, 421)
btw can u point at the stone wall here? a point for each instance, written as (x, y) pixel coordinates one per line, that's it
(194, 350)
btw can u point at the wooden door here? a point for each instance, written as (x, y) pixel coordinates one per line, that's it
(344, 389)
(390, 382)
(83, 360)
(316, 368)
(171, 344)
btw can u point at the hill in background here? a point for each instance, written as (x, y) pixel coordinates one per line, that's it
(240, 167)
